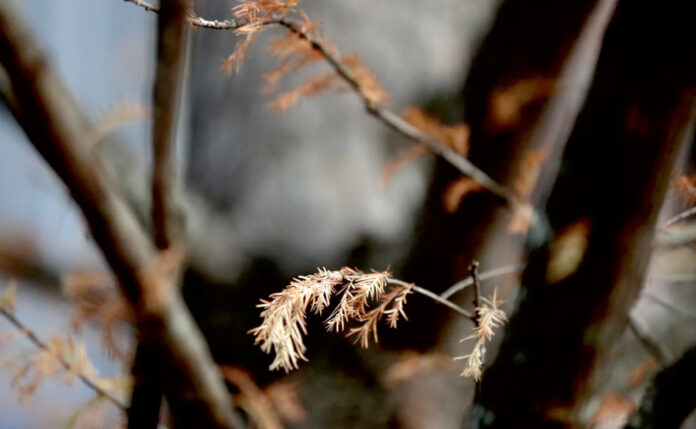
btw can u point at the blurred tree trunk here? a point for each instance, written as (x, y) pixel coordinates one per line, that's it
(583, 279)
(514, 80)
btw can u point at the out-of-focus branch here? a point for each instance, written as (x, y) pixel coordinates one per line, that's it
(58, 129)
(384, 115)
(146, 397)
(171, 44)
(36, 341)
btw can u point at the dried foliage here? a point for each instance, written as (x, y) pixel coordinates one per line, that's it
(124, 113)
(97, 299)
(411, 364)
(507, 103)
(285, 396)
(60, 357)
(489, 316)
(455, 137)
(457, 191)
(364, 299)
(686, 189)
(284, 316)
(301, 45)
(251, 398)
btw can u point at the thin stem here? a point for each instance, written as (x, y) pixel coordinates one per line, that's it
(435, 297)
(677, 218)
(496, 272)
(473, 271)
(34, 339)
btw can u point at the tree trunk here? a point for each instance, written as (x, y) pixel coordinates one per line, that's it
(587, 271)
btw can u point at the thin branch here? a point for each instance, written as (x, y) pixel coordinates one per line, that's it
(473, 270)
(435, 297)
(192, 18)
(384, 115)
(34, 339)
(496, 272)
(677, 218)
(146, 396)
(58, 130)
(648, 343)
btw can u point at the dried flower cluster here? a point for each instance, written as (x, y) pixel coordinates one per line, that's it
(488, 317)
(284, 316)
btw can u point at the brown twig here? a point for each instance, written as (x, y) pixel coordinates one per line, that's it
(496, 272)
(58, 129)
(34, 339)
(435, 297)
(384, 115)
(677, 218)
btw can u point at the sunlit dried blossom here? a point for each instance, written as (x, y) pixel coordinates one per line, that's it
(488, 317)
(391, 305)
(284, 316)
(474, 361)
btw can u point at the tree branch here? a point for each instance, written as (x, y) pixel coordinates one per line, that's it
(381, 113)
(59, 131)
(670, 398)
(34, 339)
(171, 43)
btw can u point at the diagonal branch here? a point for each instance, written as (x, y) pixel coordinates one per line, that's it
(41, 345)
(381, 113)
(59, 130)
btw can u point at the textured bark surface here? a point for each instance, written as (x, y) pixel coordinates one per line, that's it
(587, 273)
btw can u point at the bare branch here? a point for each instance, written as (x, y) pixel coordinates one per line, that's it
(36, 341)
(496, 272)
(678, 218)
(171, 44)
(435, 297)
(384, 115)
(58, 129)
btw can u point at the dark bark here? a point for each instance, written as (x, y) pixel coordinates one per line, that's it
(670, 398)
(581, 282)
(530, 41)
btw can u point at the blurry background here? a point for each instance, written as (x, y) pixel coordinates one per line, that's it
(269, 196)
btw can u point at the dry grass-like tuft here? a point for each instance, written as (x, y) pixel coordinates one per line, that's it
(284, 316)
(489, 317)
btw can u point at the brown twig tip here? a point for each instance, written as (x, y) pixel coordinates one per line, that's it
(489, 317)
